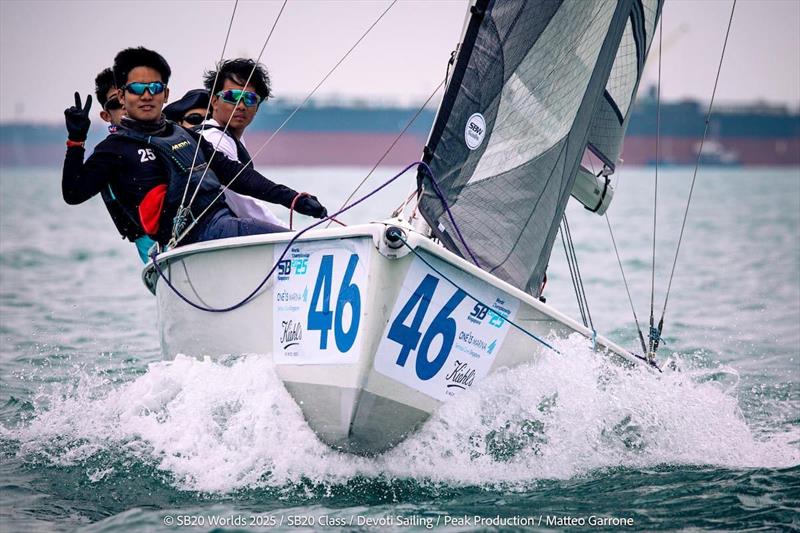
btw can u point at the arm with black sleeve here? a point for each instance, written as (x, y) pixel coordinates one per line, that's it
(250, 182)
(80, 181)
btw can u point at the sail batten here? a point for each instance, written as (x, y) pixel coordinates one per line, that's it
(535, 83)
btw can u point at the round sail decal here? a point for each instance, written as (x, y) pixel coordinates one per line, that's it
(475, 130)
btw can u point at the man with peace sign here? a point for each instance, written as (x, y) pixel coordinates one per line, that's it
(156, 168)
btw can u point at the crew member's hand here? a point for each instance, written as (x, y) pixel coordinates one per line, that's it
(309, 205)
(77, 118)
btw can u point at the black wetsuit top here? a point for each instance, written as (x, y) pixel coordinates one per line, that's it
(132, 171)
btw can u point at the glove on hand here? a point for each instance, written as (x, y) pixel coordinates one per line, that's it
(77, 118)
(309, 205)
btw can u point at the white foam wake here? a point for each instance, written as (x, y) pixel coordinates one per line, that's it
(222, 426)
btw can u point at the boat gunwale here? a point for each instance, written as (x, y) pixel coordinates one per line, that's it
(415, 240)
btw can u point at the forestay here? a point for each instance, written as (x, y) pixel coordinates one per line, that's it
(536, 83)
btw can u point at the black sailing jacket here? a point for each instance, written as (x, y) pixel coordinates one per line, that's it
(132, 164)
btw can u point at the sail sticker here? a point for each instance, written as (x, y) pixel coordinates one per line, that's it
(439, 340)
(475, 131)
(318, 303)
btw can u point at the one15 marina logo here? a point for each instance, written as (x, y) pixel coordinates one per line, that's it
(292, 297)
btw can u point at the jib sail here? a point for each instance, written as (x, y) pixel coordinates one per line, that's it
(611, 116)
(536, 82)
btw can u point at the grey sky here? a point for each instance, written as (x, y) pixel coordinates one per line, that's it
(49, 49)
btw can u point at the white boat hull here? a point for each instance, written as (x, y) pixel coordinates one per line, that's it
(368, 339)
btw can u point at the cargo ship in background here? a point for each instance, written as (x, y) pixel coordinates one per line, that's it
(359, 133)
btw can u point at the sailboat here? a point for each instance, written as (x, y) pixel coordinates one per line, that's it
(373, 327)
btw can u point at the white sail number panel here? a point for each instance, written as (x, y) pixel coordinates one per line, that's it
(318, 306)
(439, 340)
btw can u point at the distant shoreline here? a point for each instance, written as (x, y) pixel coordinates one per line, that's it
(337, 135)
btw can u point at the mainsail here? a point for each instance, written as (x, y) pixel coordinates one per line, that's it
(536, 84)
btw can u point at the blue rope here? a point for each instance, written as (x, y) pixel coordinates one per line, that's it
(454, 284)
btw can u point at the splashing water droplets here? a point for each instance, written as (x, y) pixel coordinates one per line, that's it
(221, 426)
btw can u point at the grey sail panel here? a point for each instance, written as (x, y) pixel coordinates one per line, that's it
(611, 118)
(479, 75)
(513, 126)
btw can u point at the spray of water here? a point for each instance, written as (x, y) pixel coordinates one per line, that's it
(221, 426)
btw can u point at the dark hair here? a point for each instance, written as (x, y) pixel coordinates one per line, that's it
(238, 70)
(102, 83)
(130, 58)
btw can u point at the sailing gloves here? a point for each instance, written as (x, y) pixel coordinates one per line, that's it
(309, 205)
(77, 118)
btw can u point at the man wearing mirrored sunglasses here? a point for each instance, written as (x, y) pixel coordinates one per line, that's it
(234, 104)
(112, 112)
(150, 163)
(106, 92)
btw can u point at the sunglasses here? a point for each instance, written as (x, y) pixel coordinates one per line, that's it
(112, 104)
(138, 88)
(234, 96)
(195, 119)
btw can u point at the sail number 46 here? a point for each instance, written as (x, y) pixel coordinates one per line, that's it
(408, 336)
(320, 316)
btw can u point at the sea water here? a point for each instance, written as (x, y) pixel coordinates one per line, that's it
(97, 433)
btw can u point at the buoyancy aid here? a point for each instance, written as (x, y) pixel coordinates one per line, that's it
(160, 205)
(126, 222)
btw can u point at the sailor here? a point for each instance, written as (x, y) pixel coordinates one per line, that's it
(112, 112)
(148, 161)
(106, 92)
(189, 111)
(234, 104)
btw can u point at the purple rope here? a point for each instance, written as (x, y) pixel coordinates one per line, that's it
(312, 226)
(288, 245)
(438, 192)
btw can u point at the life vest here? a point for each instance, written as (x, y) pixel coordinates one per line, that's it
(127, 222)
(159, 207)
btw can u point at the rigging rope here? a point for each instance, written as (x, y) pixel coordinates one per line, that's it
(208, 108)
(230, 118)
(296, 236)
(572, 277)
(391, 146)
(619, 261)
(575, 273)
(154, 255)
(694, 178)
(651, 353)
(625, 281)
(292, 114)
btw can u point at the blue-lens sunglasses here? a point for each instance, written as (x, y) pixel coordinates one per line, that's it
(233, 96)
(138, 87)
